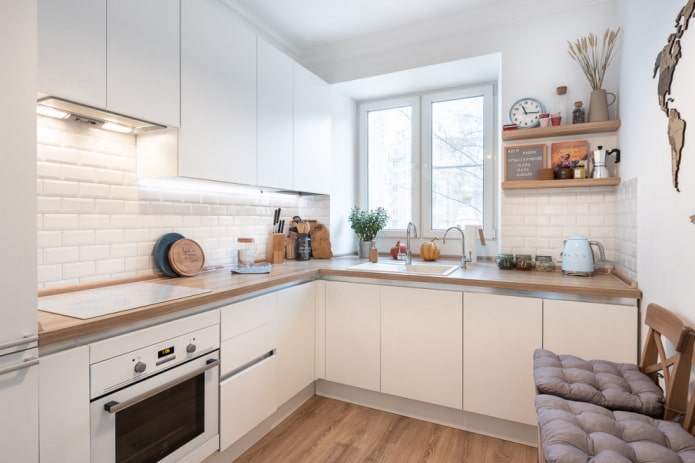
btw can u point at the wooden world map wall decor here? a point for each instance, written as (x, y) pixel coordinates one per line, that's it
(665, 66)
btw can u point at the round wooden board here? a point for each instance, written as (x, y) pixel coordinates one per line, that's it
(186, 257)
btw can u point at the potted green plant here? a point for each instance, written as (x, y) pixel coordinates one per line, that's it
(366, 224)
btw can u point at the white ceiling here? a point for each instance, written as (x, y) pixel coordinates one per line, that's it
(306, 24)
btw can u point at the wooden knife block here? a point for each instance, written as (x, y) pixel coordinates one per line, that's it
(276, 248)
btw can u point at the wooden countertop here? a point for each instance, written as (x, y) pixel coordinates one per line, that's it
(225, 285)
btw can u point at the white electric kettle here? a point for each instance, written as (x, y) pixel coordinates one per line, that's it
(578, 257)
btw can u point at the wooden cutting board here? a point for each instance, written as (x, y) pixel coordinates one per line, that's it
(186, 257)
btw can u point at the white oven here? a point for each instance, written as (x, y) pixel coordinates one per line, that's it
(158, 402)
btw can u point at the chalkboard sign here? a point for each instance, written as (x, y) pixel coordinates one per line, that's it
(524, 162)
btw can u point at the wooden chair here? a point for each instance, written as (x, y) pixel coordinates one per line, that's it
(674, 369)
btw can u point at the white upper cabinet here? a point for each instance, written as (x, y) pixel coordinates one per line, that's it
(121, 55)
(275, 115)
(72, 50)
(312, 132)
(217, 140)
(142, 53)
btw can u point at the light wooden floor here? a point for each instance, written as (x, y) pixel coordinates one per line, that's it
(330, 431)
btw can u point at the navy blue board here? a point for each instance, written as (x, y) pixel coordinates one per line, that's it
(161, 253)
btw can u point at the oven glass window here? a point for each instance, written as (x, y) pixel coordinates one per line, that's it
(152, 429)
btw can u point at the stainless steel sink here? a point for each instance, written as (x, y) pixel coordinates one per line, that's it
(400, 267)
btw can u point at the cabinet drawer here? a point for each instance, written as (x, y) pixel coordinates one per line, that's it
(246, 399)
(246, 315)
(242, 349)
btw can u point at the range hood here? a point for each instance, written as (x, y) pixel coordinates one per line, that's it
(96, 116)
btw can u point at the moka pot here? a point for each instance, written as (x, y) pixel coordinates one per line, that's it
(599, 159)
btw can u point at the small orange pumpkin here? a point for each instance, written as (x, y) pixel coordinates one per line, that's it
(429, 250)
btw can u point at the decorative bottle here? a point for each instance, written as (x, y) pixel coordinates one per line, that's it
(578, 114)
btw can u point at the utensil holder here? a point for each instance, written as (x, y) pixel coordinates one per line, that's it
(276, 248)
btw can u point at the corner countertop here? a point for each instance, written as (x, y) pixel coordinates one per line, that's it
(224, 285)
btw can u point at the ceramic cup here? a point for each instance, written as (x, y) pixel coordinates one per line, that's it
(555, 118)
(545, 119)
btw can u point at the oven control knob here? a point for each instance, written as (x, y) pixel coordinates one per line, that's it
(140, 367)
(191, 348)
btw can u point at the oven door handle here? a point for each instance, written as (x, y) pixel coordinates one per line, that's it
(114, 407)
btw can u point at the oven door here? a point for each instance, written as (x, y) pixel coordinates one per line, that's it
(172, 416)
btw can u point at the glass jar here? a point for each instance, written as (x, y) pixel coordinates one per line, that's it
(579, 171)
(303, 246)
(578, 115)
(247, 251)
(505, 261)
(524, 262)
(545, 264)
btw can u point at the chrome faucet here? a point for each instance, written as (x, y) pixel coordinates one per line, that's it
(464, 259)
(408, 254)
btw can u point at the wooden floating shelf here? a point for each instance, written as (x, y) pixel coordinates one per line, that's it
(568, 183)
(561, 130)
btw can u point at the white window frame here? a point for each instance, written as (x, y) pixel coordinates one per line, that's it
(487, 91)
(421, 156)
(414, 103)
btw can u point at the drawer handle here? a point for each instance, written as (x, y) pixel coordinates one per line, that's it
(30, 362)
(19, 342)
(114, 407)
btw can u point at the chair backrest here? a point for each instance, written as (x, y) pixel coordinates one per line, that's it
(676, 368)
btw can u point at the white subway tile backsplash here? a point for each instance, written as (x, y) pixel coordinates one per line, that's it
(60, 255)
(110, 236)
(94, 221)
(59, 221)
(79, 205)
(94, 252)
(94, 190)
(110, 266)
(60, 188)
(79, 270)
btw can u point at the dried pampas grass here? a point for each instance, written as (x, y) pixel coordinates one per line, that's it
(594, 61)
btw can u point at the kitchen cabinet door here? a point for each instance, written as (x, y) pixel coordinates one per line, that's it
(421, 345)
(295, 343)
(500, 334)
(275, 116)
(64, 406)
(312, 132)
(72, 50)
(352, 334)
(591, 330)
(246, 399)
(143, 59)
(217, 140)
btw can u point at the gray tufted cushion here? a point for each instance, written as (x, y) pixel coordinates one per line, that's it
(617, 386)
(579, 432)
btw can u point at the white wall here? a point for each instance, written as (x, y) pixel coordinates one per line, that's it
(344, 172)
(666, 241)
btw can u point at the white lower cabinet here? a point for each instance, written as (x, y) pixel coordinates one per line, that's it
(421, 345)
(295, 340)
(591, 330)
(248, 368)
(500, 335)
(64, 407)
(246, 399)
(267, 357)
(353, 334)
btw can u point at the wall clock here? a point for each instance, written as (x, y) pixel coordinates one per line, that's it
(525, 113)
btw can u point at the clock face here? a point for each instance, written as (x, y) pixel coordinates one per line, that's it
(526, 112)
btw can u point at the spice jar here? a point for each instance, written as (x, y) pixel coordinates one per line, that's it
(578, 115)
(545, 264)
(505, 261)
(303, 246)
(524, 262)
(579, 171)
(247, 251)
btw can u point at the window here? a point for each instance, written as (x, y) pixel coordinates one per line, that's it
(430, 159)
